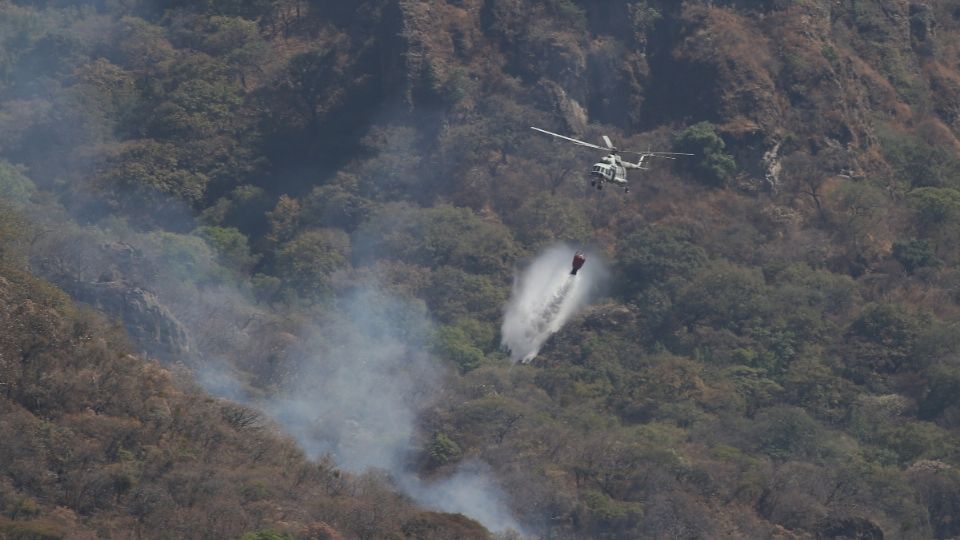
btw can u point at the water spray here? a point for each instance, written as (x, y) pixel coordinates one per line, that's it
(545, 296)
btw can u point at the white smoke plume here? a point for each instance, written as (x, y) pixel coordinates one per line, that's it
(363, 375)
(357, 377)
(545, 296)
(358, 383)
(470, 491)
(356, 395)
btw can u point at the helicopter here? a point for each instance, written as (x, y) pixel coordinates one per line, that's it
(611, 167)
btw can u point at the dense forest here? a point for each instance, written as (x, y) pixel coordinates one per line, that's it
(255, 255)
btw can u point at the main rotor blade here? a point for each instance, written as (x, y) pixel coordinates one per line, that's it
(575, 141)
(656, 154)
(608, 142)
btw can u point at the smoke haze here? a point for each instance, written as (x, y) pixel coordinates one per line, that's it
(358, 382)
(356, 396)
(470, 491)
(545, 296)
(356, 378)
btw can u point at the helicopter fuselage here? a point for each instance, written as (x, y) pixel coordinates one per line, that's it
(608, 169)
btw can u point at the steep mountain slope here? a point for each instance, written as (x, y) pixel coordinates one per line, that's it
(775, 354)
(97, 442)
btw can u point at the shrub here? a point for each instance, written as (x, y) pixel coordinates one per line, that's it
(231, 245)
(443, 450)
(709, 164)
(14, 185)
(915, 254)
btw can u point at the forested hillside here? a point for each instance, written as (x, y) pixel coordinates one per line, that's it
(98, 443)
(316, 209)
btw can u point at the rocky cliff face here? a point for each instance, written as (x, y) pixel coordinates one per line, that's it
(814, 75)
(150, 325)
(110, 277)
(788, 85)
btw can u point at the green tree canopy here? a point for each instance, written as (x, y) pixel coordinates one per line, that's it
(442, 235)
(653, 255)
(14, 185)
(231, 245)
(710, 164)
(306, 261)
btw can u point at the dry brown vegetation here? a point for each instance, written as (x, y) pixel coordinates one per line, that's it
(99, 443)
(776, 355)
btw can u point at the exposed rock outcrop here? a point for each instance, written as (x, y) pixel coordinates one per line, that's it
(151, 326)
